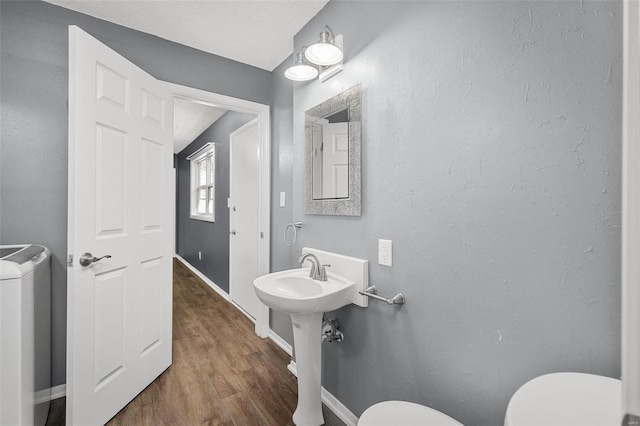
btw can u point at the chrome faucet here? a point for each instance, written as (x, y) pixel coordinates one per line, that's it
(318, 271)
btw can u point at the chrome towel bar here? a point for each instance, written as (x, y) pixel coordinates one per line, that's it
(372, 292)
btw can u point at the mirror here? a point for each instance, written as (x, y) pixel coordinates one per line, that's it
(332, 155)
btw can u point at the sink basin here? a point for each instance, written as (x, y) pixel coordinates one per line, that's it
(293, 292)
(306, 300)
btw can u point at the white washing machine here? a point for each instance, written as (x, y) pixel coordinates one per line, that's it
(25, 334)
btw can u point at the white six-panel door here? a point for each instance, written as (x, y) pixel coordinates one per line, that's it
(244, 238)
(335, 149)
(120, 167)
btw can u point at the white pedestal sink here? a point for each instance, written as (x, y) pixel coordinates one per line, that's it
(295, 293)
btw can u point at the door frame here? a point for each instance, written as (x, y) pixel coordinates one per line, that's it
(263, 117)
(631, 209)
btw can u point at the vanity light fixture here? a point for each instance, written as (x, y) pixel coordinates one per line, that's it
(324, 52)
(301, 70)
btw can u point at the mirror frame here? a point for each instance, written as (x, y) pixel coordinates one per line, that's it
(350, 99)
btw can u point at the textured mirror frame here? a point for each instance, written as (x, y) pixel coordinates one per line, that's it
(350, 99)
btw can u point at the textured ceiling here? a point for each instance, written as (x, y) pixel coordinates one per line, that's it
(254, 32)
(190, 120)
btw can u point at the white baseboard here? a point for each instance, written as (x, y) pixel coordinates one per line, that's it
(280, 342)
(50, 394)
(332, 403)
(204, 278)
(338, 408)
(58, 391)
(242, 311)
(292, 367)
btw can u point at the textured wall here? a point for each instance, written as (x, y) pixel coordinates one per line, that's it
(281, 181)
(491, 157)
(34, 87)
(210, 238)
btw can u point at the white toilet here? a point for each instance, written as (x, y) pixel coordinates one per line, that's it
(567, 399)
(402, 413)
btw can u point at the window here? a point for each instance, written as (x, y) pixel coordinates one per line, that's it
(203, 183)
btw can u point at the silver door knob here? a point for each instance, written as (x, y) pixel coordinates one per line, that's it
(87, 259)
(232, 232)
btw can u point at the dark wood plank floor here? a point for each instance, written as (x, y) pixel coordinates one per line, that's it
(222, 373)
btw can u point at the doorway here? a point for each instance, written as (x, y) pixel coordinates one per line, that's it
(255, 249)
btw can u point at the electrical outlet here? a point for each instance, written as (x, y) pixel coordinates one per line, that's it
(385, 252)
(199, 255)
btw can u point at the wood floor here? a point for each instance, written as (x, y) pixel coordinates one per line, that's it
(222, 372)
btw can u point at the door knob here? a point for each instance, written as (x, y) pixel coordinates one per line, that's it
(87, 258)
(232, 232)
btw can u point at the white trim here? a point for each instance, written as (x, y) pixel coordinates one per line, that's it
(174, 185)
(200, 152)
(202, 217)
(58, 391)
(631, 209)
(264, 130)
(332, 403)
(280, 342)
(204, 278)
(338, 408)
(293, 368)
(246, 314)
(50, 394)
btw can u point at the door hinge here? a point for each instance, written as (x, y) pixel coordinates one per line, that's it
(70, 261)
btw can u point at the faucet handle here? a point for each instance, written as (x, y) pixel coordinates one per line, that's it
(323, 272)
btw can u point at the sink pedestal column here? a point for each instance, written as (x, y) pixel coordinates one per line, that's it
(307, 340)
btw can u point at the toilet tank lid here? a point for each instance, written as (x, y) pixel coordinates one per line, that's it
(568, 399)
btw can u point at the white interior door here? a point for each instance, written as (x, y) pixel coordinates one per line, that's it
(316, 159)
(120, 160)
(244, 238)
(335, 151)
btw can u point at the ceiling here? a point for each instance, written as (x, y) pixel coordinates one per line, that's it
(190, 119)
(254, 32)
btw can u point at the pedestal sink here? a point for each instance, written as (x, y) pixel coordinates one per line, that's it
(294, 292)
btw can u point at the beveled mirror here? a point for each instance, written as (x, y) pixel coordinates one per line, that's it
(332, 155)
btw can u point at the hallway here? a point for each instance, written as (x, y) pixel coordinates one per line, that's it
(222, 373)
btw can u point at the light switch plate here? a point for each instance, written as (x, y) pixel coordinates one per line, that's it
(385, 252)
(283, 199)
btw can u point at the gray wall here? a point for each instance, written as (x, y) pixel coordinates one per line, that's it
(34, 87)
(281, 181)
(491, 158)
(210, 238)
